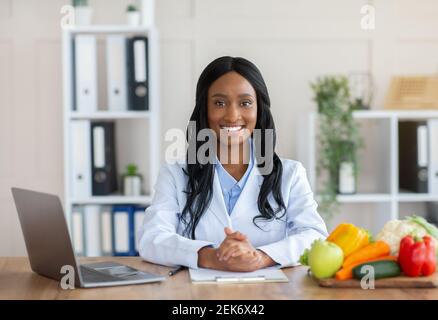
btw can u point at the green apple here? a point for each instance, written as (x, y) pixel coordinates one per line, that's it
(325, 258)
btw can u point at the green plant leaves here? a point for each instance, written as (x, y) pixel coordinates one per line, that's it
(339, 139)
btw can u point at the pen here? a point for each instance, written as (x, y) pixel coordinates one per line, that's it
(175, 270)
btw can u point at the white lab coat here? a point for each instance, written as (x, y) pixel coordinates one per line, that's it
(160, 236)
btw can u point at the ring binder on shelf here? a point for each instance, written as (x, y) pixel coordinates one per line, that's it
(138, 86)
(413, 156)
(123, 230)
(85, 69)
(116, 73)
(80, 159)
(103, 158)
(433, 153)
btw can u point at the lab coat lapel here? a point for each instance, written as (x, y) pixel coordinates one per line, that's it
(249, 196)
(217, 205)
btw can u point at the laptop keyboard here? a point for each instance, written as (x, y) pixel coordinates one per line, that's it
(89, 275)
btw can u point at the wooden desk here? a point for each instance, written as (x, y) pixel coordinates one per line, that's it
(17, 281)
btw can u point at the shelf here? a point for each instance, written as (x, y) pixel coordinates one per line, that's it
(372, 114)
(417, 114)
(110, 115)
(388, 124)
(417, 197)
(400, 114)
(364, 198)
(119, 199)
(386, 197)
(107, 29)
(134, 128)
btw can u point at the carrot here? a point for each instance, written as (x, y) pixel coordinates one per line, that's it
(347, 272)
(371, 251)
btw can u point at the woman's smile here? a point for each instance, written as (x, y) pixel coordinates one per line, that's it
(232, 129)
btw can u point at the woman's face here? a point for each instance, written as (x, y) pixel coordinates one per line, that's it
(232, 108)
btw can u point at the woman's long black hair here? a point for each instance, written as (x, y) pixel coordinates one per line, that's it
(199, 188)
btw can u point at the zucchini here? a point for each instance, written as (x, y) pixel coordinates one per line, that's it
(382, 269)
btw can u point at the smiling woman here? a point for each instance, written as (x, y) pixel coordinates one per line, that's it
(231, 214)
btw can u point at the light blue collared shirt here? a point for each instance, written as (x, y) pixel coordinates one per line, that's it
(231, 188)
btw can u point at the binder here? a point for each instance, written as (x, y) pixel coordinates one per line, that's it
(85, 69)
(210, 276)
(116, 73)
(413, 156)
(80, 159)
(77, 230)
(139, 215)
(104, 175)
(73, 75)
(123, 230)
(433, 154)
(106, 231)
(92, 230)
(137, 66)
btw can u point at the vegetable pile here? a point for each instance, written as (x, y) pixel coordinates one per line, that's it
(406, 247)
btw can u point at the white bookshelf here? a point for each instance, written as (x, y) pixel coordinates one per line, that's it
(108, 200)
(108, 29)
(109, 115)
(364, 198)
(150, 118)
(393, 198)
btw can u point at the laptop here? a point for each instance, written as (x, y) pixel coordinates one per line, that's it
(49, 246)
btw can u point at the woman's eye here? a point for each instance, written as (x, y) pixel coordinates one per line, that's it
(246, 103)
(220, 103)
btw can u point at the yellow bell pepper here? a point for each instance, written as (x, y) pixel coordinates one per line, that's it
(349, 237)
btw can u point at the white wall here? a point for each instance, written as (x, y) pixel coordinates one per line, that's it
(291, 41)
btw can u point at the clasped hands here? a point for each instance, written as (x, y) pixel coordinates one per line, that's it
(235, 253)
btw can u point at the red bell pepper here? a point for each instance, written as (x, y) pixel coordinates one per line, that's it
(417, 257)
(429, 265)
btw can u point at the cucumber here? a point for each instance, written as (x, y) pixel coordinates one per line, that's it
(382, 269)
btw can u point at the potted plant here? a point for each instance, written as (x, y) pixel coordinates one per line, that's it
(132, 181)
(338, 140)
(83, 12)
(361, 88)
(133, 15)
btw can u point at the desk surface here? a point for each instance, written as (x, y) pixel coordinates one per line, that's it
(17, 281)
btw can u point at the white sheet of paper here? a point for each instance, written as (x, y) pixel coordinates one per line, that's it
(272, 274)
